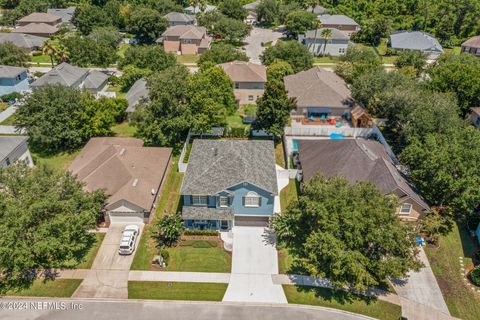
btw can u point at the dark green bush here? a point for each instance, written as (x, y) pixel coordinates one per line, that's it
(165, 256)
(201, 233)
(475, 275)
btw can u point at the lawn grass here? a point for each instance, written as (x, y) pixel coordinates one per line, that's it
(326, 59)
(285, 261)
(188, 58)
(341, 300)
(279, 155)
(10, 121)
(235, 121)
(59, 161)
(462, 301)
(196, 291)
(169, 202)
(124, 129)
(200, 257)
(61, 288)
(41, 59)
(117, 89)
(289, 193)
(122, 48)
(92, 253)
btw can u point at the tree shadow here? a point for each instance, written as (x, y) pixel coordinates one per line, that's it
(336, 295)
(469, 244)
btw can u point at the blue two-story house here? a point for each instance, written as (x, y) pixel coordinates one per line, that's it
(13, 79)
(229, 182)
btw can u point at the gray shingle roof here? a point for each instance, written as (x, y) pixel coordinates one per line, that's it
(215, 165)
(136, 93)
(318, 87)
(64, 74)
(196, 9)
(318, 10)
(65, 13)
(339, 19)
(9, 143)
(22, 40)
(336, 34)
(251, 6)
(95, 79)
(356, 160)
(179, 17)
(204, 213)
(414, 40)
(11, 72)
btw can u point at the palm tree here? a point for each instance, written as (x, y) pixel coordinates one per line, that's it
(50, 49)
(326, 35)
(62, 54)
(317, 25)
(313, 4)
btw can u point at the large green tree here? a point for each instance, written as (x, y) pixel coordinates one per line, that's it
(45, 217)
(231, 29)
(416, 60)
(221, 53)
(268, 11)
(146, 24)
(233, 9)
(11, 55)
(166, 118)
(356, 62)
(445, 168)
(87, 51)
(458, 74)
(291, 51)
(333, 231)
(148, 57)
(300, 21)
(88, 17)
(273, 108)
(62, 118)
(278, 70)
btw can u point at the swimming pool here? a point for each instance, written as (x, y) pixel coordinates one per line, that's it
(295, 145)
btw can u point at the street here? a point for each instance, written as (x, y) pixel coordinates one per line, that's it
(254, 47)
(164, 310)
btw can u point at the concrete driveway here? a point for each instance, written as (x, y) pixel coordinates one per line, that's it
(108, 277)
(254, 261)
(254, 48)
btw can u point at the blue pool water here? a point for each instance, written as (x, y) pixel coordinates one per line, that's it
(336, 136)
(295, 145)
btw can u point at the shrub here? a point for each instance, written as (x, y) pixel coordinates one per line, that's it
(165, 255)
(201, 233)
(475, 275)
(10, 96)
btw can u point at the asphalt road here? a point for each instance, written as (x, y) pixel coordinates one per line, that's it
(254, 48)
(164, 310)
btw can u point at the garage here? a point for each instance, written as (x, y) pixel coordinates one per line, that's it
(245, 221)
(116, 217)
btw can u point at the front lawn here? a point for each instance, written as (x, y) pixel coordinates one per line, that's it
(341, 300)
(289, 193)
(188, 58)
(462, 301)
(41, 59)
(61, 288)
(169, 202)
(124, 129)
(199, 256)
(92, 253)
(285, 261)
(197, 291)
(326, 59)
(10, 121)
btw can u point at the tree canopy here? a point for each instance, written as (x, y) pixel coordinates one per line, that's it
(278, 69)
(233, 9)
(300, 21)
(44, 221)
(11, 55)
(87, 51)
(146, 24)
(290, 51)
(356, 62)
(332, 231)
(221, 53)
(148, 57)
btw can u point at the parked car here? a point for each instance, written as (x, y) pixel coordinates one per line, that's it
(129, 239)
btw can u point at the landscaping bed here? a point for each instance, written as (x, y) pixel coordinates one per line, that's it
(196, 291)
(343, 301)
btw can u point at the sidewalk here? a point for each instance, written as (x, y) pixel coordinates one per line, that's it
(209, 277)
(7, 113)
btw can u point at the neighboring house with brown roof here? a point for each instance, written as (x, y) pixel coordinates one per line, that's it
(74, 77)
(475, 116)
(248, 80)
(472, 46)
(130, 174)
(360, 160)
(185, 39)
(320, 94)
(38, 24)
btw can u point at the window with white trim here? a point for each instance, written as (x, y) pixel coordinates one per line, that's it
(252, 199)
(199, 200)
(223, 201)
(405, 209)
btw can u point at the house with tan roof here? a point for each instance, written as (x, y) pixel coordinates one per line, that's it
(472, 46)
(130, 174)
(38, 24)
(323, 98)
(248, 80)
(361, 160)
(185, 39)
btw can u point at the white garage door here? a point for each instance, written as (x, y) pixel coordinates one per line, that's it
(251, 221)
(125, 219)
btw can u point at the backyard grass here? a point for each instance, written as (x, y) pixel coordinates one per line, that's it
(61, 288)
(289, 193)
(92, 253)
(124, 129)
(188, 58)
(235, 120)
(117, 89)
(10, 121)
(41, 59)
(200, 257)
(341, 300)
(169, 202)
(279, 155)
(196, 291)
(326, 59)
(462, 301)
(59, 161)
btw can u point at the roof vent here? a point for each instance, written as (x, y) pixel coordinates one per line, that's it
(153, 192)
(122, 152)
(135, 182)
